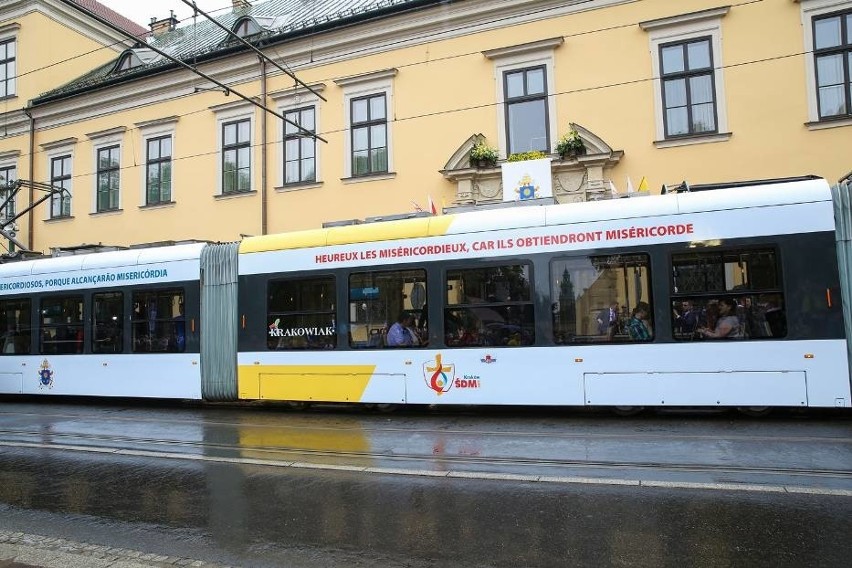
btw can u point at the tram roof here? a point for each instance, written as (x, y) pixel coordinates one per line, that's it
(95, 261)
(741, 195)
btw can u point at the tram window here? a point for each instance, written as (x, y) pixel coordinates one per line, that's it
(376, 300)
(489, 306)
(61, 330)
(300, 314)
(108, 322)
(15, 325)
(727, 295)
(601, 299)
(158, 324)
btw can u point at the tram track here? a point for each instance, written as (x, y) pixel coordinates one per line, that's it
(293, 454)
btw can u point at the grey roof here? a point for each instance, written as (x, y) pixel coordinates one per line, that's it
(201, 39)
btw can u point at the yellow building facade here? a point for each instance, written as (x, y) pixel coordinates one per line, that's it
(397, 93)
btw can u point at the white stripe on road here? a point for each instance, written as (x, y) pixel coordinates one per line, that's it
(793, 489)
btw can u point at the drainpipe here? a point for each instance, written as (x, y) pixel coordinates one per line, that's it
(31, 213)
(263, 150)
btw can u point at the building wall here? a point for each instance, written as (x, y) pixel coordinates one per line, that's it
(53, 45)
(444, 91)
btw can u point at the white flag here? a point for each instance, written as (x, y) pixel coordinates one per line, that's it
(630, 190)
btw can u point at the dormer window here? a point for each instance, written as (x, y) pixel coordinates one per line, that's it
(128, 61)
(246, 27)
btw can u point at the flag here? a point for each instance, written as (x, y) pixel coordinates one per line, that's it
(630, 190)
(432, 207)
(613, 191)
(643, 185)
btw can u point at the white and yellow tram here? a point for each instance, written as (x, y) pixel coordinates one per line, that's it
(722, 298)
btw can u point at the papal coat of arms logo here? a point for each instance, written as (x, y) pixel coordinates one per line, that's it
(45, 376)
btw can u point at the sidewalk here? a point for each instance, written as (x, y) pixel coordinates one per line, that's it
(20, 550)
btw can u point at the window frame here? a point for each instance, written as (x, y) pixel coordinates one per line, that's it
(273, 317)
(26, 329)
(113, 172)
(368, 125)
(9, 79)
(513, 58)
(235, 147)
(300, 136)
(684, 28)
(525, 98)
(376, 336)
(845, 50)
(686, 75)
(528, 305)
(8, 212)
(625, 338)
(159, 162)
(63, 181)
(359, 86)
(677, 296)
(180, 292)
(80, 342)
(95, 346)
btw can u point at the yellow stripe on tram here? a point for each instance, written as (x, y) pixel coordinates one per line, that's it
(329, 383)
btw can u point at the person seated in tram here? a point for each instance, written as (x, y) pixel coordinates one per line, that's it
(637, 328)
(727, 324)
(400, 333)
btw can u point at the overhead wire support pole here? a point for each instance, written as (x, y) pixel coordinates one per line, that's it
(191, 4)
(199, 73)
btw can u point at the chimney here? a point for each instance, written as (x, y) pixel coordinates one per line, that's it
(240, 5)
(159, 27)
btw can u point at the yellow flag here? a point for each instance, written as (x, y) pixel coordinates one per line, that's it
(643, 185)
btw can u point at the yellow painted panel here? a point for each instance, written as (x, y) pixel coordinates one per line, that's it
(283, 241)
(328, 383)
(372, 232)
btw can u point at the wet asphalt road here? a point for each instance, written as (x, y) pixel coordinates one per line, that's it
(219, 484)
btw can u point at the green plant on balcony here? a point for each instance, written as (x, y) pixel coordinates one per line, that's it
(571, 145)
(483, 156)
(521, 156)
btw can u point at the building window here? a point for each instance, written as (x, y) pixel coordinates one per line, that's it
(299, 148)
(490, 306)
(601, 299)
(689, 79)
(7, 176)
(60, 179)
(246, 28)
(832, 36)
(7, 68)
(300, 314)
(369, 135)
(158, 170)
(526, 110)
(236, 156)
(689, 104)
(108, 178)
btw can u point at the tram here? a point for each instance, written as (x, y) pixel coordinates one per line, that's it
(725, 295)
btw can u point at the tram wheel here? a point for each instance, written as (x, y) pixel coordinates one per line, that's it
(754, 411)
(297, 404)
(627, 410)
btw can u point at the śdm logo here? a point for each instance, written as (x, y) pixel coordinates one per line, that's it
(45, 376)
(438, 375)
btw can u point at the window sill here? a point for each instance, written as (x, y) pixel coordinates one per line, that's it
(369, 177)
(8, 97)
(158, 205)
(298, 186)
(59, 219)
(690, 140)
(235, 194)
(830, 123)
(106, 212)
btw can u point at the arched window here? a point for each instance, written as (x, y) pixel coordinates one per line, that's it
(128, 60)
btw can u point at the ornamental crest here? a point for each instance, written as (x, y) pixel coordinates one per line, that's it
(45, 376)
